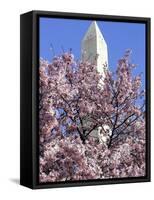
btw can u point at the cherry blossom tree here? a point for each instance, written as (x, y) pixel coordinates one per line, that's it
(74, 101)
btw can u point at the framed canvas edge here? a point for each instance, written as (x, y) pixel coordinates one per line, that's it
(35, 53)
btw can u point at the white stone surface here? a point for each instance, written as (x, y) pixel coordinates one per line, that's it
(94, 48)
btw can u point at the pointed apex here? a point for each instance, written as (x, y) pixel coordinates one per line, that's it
(94, 24)
(93, 31)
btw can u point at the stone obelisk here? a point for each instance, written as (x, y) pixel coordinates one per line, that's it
(94, 48)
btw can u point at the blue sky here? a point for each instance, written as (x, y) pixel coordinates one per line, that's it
(67, 33)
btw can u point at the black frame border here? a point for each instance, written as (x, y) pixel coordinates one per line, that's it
(33, 140)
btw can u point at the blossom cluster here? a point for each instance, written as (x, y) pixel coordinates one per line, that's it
(73, 104)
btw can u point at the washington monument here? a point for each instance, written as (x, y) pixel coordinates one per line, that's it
(94, 50)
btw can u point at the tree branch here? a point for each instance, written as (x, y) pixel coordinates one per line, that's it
(124, 121)
(91, 130)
